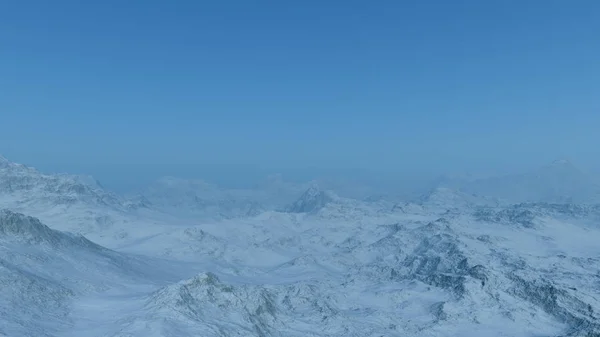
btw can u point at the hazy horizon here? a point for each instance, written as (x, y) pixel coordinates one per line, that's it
(377, 182)
(129, 92)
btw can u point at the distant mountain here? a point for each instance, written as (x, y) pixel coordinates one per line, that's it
(312, 200)
(322, 204)
(559, 182)
(73, 203)
(22, 185)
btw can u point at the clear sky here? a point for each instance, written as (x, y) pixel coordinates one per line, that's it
(147, 88)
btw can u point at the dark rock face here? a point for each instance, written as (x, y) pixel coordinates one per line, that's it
(580, 316)
(512, 215)
(438, 261)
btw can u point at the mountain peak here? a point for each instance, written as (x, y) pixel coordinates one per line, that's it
(312, 200)
(4, 162)
(313, 189)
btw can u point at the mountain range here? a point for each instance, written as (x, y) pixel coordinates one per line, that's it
(513, 255)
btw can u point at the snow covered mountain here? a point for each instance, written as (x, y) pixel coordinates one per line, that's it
(304, 263)
(28, 187)
(206, 201)
(77, 204)
(312, 200)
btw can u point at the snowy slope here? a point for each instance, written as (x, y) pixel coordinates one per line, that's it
(43, 273)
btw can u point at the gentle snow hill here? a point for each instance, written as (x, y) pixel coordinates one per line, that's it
(559, 182)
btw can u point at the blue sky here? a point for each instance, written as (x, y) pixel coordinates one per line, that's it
(146, 88)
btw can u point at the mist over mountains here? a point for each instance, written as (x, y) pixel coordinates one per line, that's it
(509, 255)
(560, 181)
